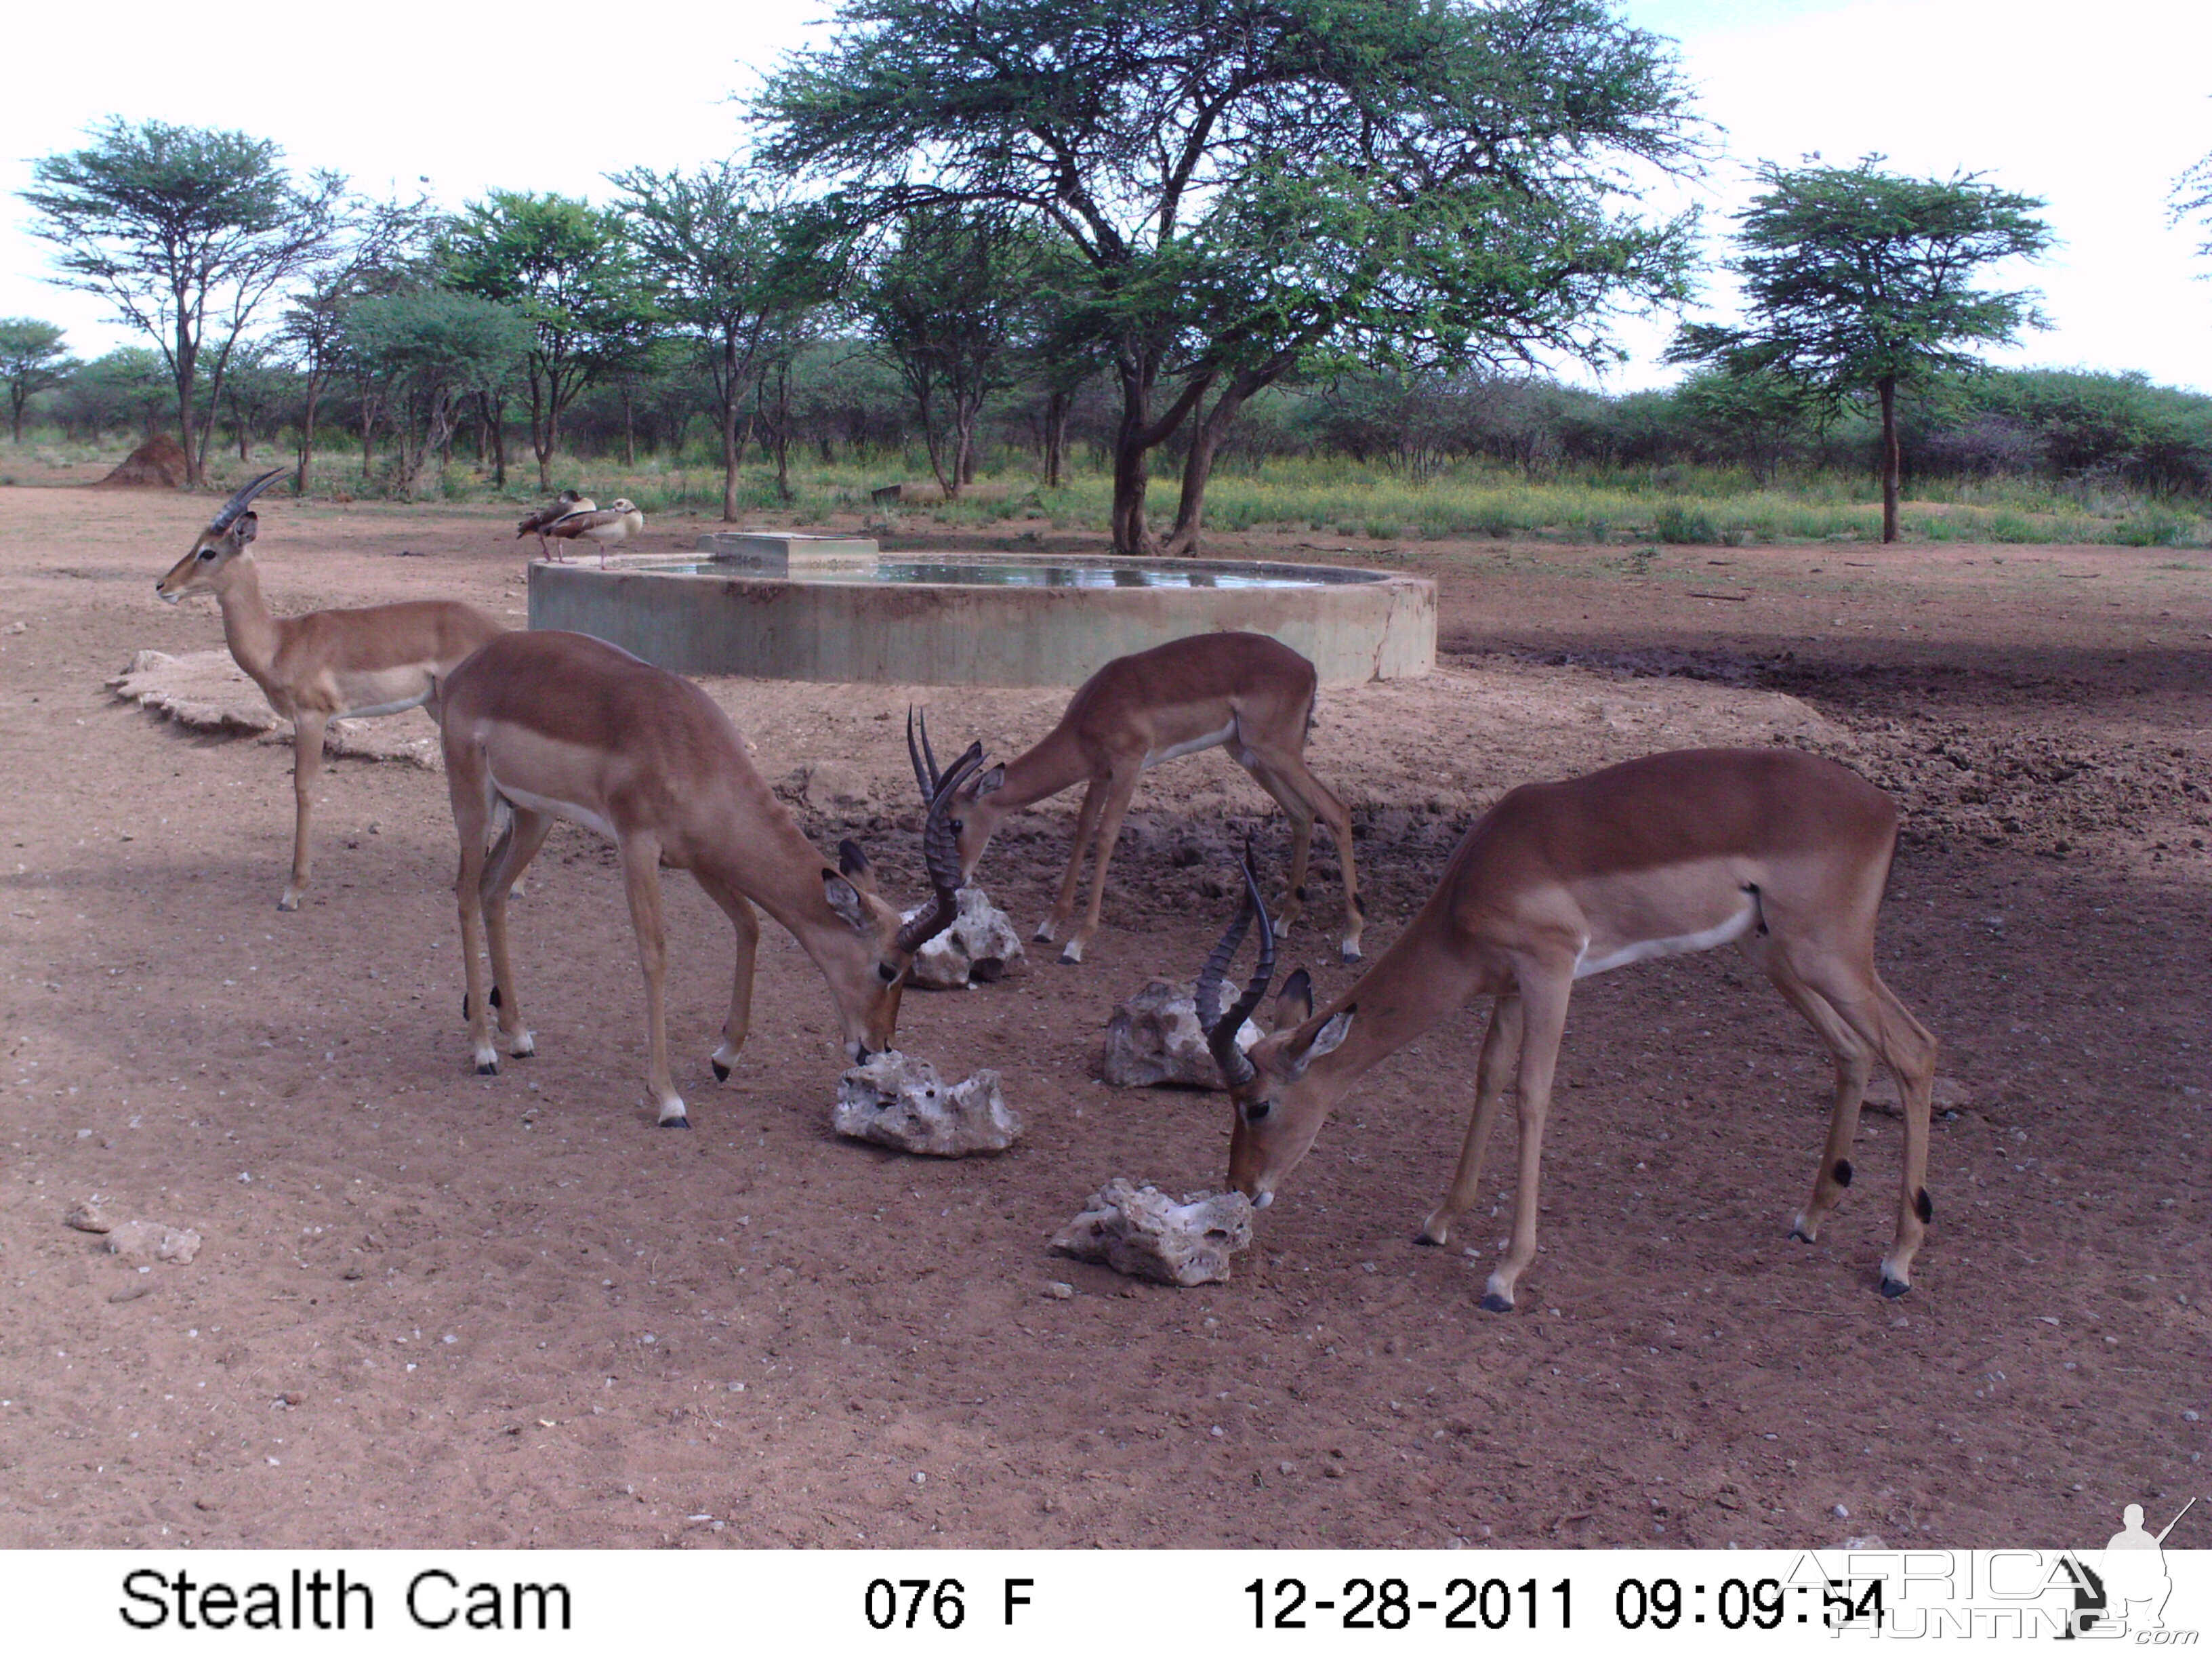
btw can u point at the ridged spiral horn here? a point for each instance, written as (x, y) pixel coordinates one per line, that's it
(940, 853)
(243, 499)
(1221, 1029)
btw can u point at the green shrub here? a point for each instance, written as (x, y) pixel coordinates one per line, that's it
(1681, 526)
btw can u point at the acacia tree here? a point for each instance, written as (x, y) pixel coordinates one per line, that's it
(717, 243)
(2191, 198)
(186, 232)
(32, 360)
(569, 268)
(949, 303)
(433, 350)
(1254, 185)
(378, 249)
(1856, 282)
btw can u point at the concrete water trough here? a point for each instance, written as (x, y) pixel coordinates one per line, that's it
(835, 609)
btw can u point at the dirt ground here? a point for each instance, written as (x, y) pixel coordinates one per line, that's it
(432, 1310)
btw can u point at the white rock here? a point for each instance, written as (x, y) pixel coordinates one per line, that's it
(87, 1217)
(1153, 1038)
(978, 948)
(151, 1238)
(1142, 1232)
(895, 1101)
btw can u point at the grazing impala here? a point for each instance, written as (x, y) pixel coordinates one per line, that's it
(1780, 853)
(1244, 691)
(327, 665)
(563, 725)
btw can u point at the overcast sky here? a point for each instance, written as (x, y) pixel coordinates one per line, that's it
(2095, 108)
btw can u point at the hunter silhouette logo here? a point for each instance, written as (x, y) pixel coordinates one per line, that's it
(2126, 1591)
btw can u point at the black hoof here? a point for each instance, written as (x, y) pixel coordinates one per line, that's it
(1494, 1302)
(523, 1053)
(1348, 957)
(1802, 1236)
(488, 1068)
(1893, 1288)
(1423, 1238)
(721, 1071)
(674, 1123)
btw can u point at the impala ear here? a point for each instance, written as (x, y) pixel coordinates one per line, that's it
(1294, 1002)
(988, 783)
(853, 859)
(845, 899)
(247, 527)
(1326, 1041)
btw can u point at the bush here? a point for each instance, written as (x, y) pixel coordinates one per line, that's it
(1681, 525)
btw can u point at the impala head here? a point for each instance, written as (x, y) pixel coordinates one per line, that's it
(227, 537)
(974, 817)
(1276, 1114)
(869, 978)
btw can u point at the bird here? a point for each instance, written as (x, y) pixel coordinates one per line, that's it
(609, 526)
(565, 503)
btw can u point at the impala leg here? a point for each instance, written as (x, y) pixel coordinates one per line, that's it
(1122, 787)
(1086, 821)
(1544, 996)
(510, 855)
(468, 896)
(640, 862)
(744, 920)
(1501, 1050)
(306, 767)
(1854, 1063)
(1316, 799)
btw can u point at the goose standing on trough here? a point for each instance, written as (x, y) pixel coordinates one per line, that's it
(536, 523)
(609, 526)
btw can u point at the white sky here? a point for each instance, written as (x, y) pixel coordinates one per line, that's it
(2094, 107)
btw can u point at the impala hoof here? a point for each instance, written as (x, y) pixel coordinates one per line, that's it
(486, 1068)
(1802, 1236)
(1423, 1239)
(673, 1123)
(1071, 954)
(1893, 1288)
(289, 902)
(1493, 1303)
(721, 1071)
(1349, 953)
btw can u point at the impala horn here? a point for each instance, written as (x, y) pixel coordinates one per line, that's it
(925, 761)
(238, 504)
(1221, 1029)
(940, 852)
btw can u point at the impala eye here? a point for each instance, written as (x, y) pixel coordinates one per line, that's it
(886, 973)
(1258, 1109)
(207, 552)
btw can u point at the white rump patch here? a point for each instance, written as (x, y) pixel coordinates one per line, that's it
(559, 809)
(1681, 945)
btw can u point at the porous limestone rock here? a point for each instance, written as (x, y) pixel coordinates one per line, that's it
(978, 948)
(898, 1101)
(87, 1216)
(1142, 1232)
(151, 1240)
(1153, 1038)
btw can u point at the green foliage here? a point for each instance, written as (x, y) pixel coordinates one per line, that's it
(32, 360)
(186, 232)
(1249, 187)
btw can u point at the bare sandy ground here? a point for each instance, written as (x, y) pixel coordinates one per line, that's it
(434, 1310)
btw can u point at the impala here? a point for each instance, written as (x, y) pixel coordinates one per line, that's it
(563, 725)
(1243, 691)
(1780, 853)
(327, 665)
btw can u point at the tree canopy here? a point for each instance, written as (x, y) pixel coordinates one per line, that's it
(1256, 185)
(1856, 280)
(32, 360)
(186, 232)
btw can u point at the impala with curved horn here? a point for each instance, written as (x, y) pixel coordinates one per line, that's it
(327, 665)
(1246, 692)
(1780, 853)
(563, 725)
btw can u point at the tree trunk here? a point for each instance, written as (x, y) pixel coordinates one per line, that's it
(1887, 387)
(307, 435)
(17, 399)
(1198, 468)
(732, 445)
(1056, 437)
(629, 430)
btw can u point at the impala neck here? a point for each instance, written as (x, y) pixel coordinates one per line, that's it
(248, 628)
(1054, 765)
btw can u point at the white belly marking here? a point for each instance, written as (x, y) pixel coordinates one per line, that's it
(1176, 751)
(559, 809)
(1681, 945)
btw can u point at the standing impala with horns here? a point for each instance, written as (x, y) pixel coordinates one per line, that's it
(563, 725)
(1247, 692)
(327, 665)
(1783, 854)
